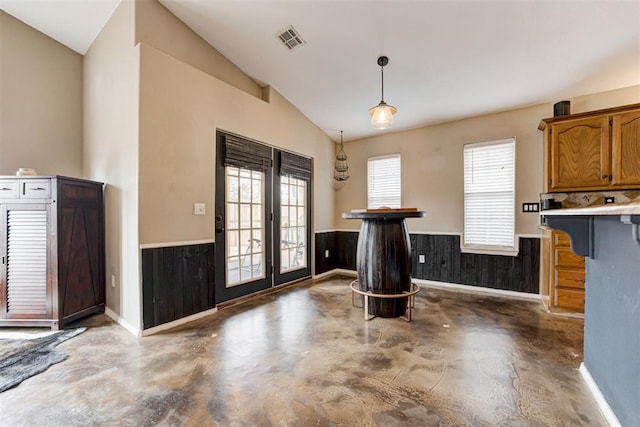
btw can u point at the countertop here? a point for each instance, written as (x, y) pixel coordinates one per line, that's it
(630, 208)
(384, 214)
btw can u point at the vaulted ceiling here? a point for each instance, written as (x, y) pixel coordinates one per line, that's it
(447, 59)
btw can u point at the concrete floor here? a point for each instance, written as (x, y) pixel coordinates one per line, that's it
(306, 357)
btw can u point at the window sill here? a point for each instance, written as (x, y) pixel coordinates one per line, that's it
(489, 251)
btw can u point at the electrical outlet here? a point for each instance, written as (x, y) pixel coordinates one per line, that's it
(199, 209)
(326, 253)
(609, 199)
(113, 280)
(421, 259)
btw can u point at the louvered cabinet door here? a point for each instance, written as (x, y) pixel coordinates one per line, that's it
(25, 263)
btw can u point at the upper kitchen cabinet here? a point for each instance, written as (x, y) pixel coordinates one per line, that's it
(625, 149)
(599, 150)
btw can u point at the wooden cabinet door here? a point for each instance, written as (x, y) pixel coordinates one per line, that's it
(580, 154)
(567, 276)
(81, 281)
(626, 149)
(24, 283)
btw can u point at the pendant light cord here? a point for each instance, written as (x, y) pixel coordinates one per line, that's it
(382, 84)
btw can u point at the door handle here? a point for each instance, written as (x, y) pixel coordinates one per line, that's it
(219, 229)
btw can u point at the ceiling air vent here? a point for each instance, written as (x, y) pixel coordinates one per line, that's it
(290, 38)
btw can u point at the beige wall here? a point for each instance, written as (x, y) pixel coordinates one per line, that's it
(111, 153)
(40, 102)
(180, 110)
(150, 123)
(158, 27)
(432, 176)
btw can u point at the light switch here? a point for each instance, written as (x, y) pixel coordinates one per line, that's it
(421, 259)
(199, 208)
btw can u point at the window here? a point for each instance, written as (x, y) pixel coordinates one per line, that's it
(489, 196)
(383, 182)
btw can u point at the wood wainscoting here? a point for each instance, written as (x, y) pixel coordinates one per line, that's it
(177, 281)
(444, 262)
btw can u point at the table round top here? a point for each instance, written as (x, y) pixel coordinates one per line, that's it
(383, 215)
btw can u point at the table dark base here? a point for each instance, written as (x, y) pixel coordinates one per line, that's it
(388, 307)
(384, 266)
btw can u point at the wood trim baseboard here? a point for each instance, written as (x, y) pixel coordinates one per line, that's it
(178, 322)
(120, 321)
(603, 405)
(443, 285)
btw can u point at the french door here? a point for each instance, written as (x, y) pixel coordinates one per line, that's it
(262, 217)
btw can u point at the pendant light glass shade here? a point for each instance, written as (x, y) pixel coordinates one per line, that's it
(382, 114)
(341, 170)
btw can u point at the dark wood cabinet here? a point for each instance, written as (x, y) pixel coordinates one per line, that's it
(52, 249)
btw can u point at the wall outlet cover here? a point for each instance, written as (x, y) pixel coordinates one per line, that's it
(199, 209)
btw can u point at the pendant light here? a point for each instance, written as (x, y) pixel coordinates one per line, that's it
(382, 114)
(341, 170)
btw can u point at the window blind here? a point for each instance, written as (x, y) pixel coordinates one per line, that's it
(383, 182)
(240, 152)
(295, 166)
(489, 195)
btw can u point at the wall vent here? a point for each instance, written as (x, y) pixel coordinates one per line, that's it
(290, 38)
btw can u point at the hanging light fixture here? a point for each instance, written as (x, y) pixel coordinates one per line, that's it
(382, 114)
(341, 171)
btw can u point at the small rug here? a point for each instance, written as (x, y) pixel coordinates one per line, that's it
(23, 358)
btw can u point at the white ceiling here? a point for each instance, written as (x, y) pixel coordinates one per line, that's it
(447, 59)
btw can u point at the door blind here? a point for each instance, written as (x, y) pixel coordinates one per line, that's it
(295, 166)
(489, 195)
(242, 153)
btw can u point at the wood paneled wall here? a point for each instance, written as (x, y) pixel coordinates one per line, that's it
(444, 262)
(177, 281)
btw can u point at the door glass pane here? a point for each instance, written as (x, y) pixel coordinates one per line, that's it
(232, 188)
(293, 245)
(245, 190)
(233, 244)
(244, 225)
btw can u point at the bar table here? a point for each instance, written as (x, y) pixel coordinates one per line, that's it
(383, 258)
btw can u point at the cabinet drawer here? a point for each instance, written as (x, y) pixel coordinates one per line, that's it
(9, 189)
(35, 189)
(570, 298)
(566, 258)
(561, 239)
(570, 278)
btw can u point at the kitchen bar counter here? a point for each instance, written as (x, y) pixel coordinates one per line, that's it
(609, 236)
(631, 208)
